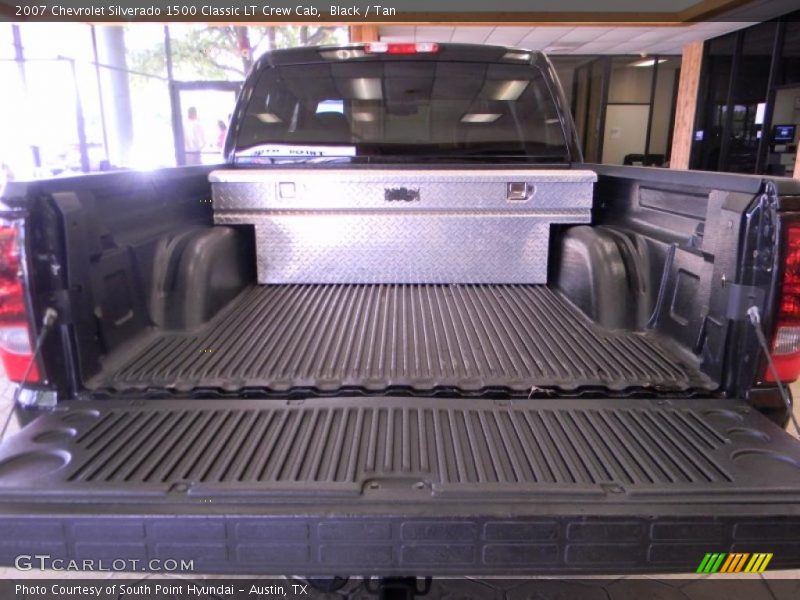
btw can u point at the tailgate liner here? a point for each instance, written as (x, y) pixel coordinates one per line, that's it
(391, 485)
(423, 337)
(417, 447)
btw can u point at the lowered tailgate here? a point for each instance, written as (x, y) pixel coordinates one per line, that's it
(403, 485)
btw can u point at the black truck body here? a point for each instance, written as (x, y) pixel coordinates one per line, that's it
(616, 418)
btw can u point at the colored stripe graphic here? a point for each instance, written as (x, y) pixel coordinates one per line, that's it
(727, 564)
(704, 563)
(712, 562)
(717, 564)
(741, 562)
(722, 562)
(734, 562)
(759, 562)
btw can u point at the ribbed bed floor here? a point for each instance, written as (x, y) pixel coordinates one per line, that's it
(376, 337)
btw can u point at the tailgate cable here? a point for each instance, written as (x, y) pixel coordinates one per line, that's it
(50, 316)
(755, 319)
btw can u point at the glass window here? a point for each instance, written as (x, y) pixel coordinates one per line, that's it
(205, 52)
(16, 154)
(225, 53)
(6, 41)
(144, 46)
(264, 39)
(152, 141)
(717, 67)
(206, 112)
(398, 107)
(93, 126)
(51, 119)
(664, 108)
(749, 92)
(782, 138)
(42, 123)
(55, 40)
(790, 56)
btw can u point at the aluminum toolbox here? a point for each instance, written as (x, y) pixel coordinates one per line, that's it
(402, 226)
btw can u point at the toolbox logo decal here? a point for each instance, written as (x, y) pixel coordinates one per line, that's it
(401, 194)
(737, 562)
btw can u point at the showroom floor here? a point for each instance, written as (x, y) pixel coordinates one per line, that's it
(771, 589)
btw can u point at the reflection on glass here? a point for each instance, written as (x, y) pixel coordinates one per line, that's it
(782, 138)
(790, 53)
(717, 72)
(436, 108)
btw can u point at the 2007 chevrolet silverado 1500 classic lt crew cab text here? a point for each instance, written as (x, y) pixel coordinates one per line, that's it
(404, 329)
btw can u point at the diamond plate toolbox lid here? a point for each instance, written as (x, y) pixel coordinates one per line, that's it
(401, 226)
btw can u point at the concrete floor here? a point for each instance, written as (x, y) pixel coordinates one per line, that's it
(774, 585)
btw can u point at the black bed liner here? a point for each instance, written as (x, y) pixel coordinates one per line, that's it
(424, 337)
(343, 445)
(402, 485)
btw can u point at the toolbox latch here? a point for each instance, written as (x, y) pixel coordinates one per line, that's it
(518, 191)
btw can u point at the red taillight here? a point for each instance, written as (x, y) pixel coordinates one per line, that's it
(786, 344)
(15, 343)
(408, 48)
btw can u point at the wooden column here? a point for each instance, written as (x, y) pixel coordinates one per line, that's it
(683, 133)
(364, 33)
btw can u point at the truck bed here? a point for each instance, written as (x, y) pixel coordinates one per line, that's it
(420, 338)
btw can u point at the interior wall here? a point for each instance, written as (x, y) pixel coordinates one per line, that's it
(629, 83)
(628, 110)
(625, 132)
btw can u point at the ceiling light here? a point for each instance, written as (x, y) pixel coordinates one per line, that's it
(330, 105)
(480, 117)
(646, 62)
(506, 90)
(563, 47)
(268, 117)
(366, 88)
(364, 117)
